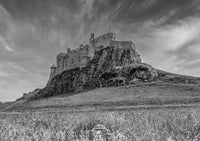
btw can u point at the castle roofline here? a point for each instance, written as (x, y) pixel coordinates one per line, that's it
(108, 33)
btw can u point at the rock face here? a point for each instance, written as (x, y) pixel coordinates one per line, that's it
(111, 66)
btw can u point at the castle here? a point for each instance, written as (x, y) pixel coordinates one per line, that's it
(79, 57)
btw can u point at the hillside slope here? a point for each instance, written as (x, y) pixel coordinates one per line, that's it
(165, 91)
(5, 104)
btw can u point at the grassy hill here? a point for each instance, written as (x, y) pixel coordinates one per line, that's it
(170, 90)
(4, 105)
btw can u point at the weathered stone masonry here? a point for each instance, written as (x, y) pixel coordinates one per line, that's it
(80, 57)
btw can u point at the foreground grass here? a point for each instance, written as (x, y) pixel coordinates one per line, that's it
(138, 125)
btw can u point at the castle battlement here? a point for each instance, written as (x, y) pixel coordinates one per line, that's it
(80, 56)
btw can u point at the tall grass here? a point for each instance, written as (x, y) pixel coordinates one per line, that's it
(140, 125)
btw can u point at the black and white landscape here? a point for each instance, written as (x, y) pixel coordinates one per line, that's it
(99, 70)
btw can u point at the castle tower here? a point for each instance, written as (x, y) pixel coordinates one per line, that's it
(60, 62)
(52, 72)
(92, 41)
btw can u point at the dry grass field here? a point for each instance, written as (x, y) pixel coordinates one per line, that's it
(180, 124)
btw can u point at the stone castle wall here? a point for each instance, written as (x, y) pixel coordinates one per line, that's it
(53, 72)
(103, 40)
(79, 57)
(130, 47)
(60, 63)
(73, 59)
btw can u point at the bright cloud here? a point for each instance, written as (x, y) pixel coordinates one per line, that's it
(5, 44)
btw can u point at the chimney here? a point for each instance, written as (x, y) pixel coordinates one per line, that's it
(68, 50)
(92, 36)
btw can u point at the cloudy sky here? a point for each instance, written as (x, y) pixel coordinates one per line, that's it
(33, 32)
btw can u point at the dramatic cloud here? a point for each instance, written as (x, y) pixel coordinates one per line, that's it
(33, 32)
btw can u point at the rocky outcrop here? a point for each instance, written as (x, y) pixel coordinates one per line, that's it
(111, 66)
